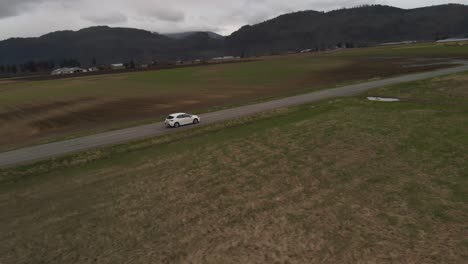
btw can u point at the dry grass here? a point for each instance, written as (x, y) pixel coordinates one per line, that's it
(345, 181)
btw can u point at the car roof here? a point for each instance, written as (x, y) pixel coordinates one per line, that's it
(177, 114)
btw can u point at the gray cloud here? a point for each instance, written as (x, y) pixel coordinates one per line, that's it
(164, 14)
(106, 19)
(9, 8)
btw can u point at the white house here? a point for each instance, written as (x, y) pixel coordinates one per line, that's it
(117, 66)
(453, 41)
(226, 58)
(63, 71)
(398, 43)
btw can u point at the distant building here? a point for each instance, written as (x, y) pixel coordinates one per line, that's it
(453, 42)
(63, 71)
(226, 58)
(397, 43)
(117, 66)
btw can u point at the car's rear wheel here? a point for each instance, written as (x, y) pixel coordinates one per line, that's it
(176, 125)
(195, 121)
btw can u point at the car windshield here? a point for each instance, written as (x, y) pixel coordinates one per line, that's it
(170, 117)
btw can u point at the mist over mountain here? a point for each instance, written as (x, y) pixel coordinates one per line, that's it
(354, 27)
(184, 35)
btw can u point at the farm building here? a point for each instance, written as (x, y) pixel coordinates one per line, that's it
(397, 43)
(453, 42)
(226, 58)
(63, 71)
(117, 66)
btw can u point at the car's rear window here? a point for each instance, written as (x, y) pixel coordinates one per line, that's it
(170, 117)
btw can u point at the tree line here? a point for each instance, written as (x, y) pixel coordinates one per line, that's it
(36, 66)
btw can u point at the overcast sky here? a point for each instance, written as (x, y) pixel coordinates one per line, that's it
(25, 18)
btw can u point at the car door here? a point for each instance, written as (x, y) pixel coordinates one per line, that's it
(189, 119)
(181, 120)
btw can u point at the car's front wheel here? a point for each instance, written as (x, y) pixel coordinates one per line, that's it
(196, 121)
(176, 125)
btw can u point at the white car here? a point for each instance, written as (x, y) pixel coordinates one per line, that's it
(181, 119)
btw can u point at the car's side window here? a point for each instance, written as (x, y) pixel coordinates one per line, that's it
(181, 116)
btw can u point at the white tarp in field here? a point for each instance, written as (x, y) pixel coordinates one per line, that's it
(381, 99)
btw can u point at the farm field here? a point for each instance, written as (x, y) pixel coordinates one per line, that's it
(341, 181)
(36, 112)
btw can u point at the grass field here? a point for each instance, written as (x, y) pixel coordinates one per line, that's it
(425, 50)
(40, 111)
(342, 181)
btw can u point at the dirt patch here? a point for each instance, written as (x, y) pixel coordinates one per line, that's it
(218, 96)
(28, 110)
(188, 102)
(7, 82)
(458, 87)
(105, 112)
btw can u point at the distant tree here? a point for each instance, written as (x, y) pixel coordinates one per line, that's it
(131, 65)
(94, 62)
(51, 64)
(349, 45)
(70, 63)
(13, 69)
(22, 68)
(41, 66)
(30, 66)
(243, 53)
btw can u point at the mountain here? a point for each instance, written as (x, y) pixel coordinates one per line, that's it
(354, 27)
(108, 45)
(362, 26)
(184, 35)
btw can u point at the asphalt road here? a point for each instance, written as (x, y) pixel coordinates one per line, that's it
(56, 149)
